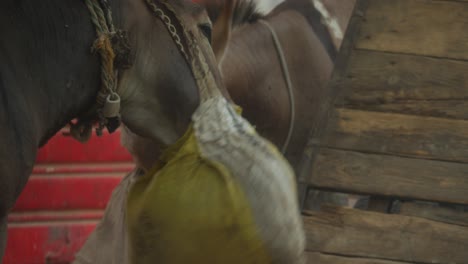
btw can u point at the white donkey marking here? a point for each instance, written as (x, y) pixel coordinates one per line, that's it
(330, 21)
(266, 6)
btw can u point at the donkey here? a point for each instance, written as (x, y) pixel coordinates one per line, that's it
(310, 33)
(48, 76)
(255, 83)
(267, 181)
(253, 74)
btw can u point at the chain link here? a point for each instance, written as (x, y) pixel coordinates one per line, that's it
(196, 60)
(171, 28)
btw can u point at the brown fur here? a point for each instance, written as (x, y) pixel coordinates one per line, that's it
(254, 79)
(222, 30)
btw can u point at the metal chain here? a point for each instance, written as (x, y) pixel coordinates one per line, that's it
(199, 67)
(194, 58)
(170, 27)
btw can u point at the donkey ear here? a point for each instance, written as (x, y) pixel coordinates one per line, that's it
(212, 7)
(221, 32)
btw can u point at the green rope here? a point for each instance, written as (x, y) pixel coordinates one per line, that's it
(105, 30)
(97, 16)
(104, 47)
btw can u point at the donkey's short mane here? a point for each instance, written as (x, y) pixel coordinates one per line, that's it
(245, 11)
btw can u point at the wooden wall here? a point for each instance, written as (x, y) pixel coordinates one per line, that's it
(396, 126)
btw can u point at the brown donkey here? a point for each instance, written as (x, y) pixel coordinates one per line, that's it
(275, 211)
(256, 80)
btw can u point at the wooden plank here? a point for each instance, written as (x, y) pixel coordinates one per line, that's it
(432, 28)
(341, 66)
(380, 204)
(318, 258)
(406, 84)
(342, 11)
(349, 232)
(385, 175)
(397, 134)
(434, 212)
(452, 109)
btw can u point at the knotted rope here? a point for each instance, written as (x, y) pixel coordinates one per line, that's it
(114, 50)
(104, 30)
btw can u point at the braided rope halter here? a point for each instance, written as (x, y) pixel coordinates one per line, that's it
(114, 50)
(107, 104)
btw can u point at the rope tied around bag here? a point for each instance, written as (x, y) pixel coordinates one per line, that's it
(114, 51)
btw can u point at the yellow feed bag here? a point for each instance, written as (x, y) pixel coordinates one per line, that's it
(191, 210)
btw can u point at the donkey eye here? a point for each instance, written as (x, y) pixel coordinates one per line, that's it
(206, 30)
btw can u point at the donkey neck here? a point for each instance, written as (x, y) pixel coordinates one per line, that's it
(209, 86)
(47, 63)
(244, 67)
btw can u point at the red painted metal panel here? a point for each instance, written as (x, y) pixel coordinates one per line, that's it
(54, 168)
(99, 149)
(47, 216)
(65, 197)
(68, 192)
(50, 243)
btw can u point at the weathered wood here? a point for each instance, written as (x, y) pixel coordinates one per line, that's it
(384, 175)
(432, 28)
(405, 84)
(318, 258)
(452, 109)
(434, 212)
(379, 204)
(341, 66)
(317, 198)
(350, 232)
(397, 134)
